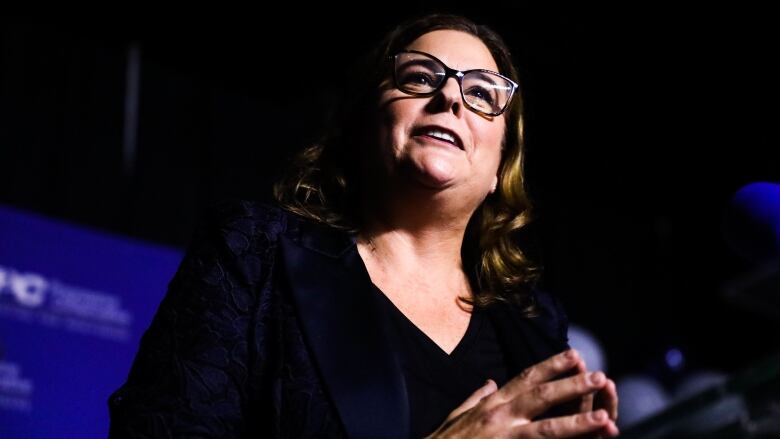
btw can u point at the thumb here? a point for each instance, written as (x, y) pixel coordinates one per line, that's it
(489, 387)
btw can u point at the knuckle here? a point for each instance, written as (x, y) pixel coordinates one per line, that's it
(492, 415)
(491, 400)
(582, 419)
(542, 392)
(527, 373)
(547, 428)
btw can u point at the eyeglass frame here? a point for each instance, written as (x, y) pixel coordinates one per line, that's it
(458, 75)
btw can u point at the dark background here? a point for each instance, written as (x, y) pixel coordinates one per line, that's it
(641, 122)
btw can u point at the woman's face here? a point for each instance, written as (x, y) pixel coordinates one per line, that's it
(410, 127)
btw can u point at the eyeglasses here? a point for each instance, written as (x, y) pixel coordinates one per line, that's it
(422, 74)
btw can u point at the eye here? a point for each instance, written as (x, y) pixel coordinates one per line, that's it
(415, 73)
(480, 94)
(419, 79)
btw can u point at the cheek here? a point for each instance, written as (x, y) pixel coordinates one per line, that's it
(395, 119)
(490, 138)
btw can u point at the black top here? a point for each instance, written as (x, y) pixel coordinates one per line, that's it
(437, 382)
(272, 328)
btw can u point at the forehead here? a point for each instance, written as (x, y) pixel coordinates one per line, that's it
(459, 50)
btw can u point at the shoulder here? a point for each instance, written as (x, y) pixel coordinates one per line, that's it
(239, 221)
(240, 228)
(242, 225)
(234, 238)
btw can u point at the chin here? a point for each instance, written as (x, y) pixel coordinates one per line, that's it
(436, 181)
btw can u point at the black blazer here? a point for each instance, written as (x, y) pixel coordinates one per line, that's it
(269, 330)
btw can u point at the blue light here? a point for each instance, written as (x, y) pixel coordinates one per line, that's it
(675, 359)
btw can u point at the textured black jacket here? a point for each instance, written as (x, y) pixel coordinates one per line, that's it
(269, 330)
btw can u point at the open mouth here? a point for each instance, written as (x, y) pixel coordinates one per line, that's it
(441, 134)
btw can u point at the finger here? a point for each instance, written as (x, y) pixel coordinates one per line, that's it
(586, 403)
(569, 426)
(610, 430)
(539, 373)
(607, 399)
(546, 395)
(489, 387)
(581, 366)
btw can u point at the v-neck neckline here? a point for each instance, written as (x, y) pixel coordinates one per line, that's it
(461, 348)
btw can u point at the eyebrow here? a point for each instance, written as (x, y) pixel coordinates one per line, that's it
(488, 77)
(423, 62)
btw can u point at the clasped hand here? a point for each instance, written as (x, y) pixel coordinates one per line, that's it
(512, 410)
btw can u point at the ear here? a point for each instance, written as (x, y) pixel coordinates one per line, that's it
(494, 184)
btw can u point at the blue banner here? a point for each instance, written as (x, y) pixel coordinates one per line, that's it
(73, 306)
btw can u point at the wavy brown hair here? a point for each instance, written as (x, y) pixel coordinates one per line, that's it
(321, 183)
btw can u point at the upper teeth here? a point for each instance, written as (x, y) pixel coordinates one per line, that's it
(442, 135)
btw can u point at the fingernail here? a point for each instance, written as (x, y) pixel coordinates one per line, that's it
(569, 354)
(598, 415)
(596, 378)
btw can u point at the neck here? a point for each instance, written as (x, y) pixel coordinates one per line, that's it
(416, 234)
(410, 249)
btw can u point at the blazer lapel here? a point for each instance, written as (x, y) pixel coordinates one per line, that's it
(340, 321)
(523, 340)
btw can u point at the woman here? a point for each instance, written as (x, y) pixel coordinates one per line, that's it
(387, 297)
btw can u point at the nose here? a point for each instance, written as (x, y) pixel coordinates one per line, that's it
(448, 98)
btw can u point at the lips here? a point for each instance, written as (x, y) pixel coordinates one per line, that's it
(439, 133)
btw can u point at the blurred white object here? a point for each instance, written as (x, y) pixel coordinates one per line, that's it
(588, 347)
(727, 410)
(640, 397)
(698, 381)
